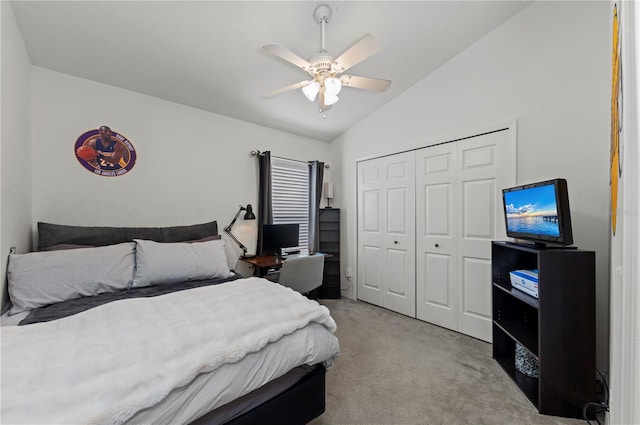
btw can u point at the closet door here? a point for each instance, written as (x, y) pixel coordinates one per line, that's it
(458, 214)
(436, 235)
(484, 168)
(386, 232)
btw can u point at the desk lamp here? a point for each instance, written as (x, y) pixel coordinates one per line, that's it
(249, 215)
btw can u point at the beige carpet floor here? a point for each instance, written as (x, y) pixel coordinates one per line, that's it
(395, 370)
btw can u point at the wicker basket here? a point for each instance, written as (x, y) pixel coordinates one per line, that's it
(526, 363)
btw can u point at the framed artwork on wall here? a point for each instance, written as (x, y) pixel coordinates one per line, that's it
(105, 152)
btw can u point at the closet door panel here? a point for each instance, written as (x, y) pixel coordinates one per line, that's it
(371, 229)
(475, 301)
(400, 235)
(436, 289)
(436, 302)
(371, 210)
(386, 232)
(369, 274)
(396, 273)
(482, 173)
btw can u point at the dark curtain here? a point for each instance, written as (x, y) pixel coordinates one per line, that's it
(265, 205)
(316, 173)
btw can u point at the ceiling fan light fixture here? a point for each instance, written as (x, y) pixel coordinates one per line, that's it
(324, 69)
(332, 86)
(330, 99)
(311, 90)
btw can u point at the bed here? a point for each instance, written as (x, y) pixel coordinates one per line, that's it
(121, 325)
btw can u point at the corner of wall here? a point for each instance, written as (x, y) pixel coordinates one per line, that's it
(15, 143)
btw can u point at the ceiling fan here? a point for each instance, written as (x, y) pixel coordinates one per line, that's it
(325, 69)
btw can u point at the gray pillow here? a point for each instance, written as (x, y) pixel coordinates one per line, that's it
(37, 279)
(179, 262)
(55, 234)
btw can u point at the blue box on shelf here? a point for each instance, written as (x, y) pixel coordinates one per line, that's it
(526, 281)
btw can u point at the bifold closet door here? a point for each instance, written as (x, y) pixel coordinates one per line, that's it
(436, 236)
(458, 214)
(386, 232)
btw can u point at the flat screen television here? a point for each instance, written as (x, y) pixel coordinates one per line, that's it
(275, 237)
(539, 213)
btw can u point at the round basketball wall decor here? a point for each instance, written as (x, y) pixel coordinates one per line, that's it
(105, 152)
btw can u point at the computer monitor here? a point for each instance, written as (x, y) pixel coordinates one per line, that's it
(278, 236)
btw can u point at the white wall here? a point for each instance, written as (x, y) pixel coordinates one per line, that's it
(549, 68)
(15, 146)
(193, 166)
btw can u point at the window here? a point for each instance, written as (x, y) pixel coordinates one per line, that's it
(290, 195)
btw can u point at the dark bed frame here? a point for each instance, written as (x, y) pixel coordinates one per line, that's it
(297, 405)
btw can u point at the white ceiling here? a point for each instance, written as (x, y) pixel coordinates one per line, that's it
(208, 54)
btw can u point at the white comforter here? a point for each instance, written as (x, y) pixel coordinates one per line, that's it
(105, 364)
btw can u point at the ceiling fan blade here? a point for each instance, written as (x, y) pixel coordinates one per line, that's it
(286, 54)
(362, 49)
(366, 83)
(286, 89)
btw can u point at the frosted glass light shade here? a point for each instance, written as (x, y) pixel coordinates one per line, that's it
(332, 86)
(330, 99)
(311, 90)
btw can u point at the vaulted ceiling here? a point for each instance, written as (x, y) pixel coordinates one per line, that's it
(208, 54)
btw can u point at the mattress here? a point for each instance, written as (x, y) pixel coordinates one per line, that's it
(220, 389)
(187, 404)
(185, 377)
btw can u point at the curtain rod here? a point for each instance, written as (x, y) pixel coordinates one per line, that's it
(256, 153)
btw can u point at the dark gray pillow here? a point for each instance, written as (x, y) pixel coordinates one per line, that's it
(206, 239)
(187, 233)
(64, 246)
(56, 234)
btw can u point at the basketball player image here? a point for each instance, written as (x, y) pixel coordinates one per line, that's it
(111, 154)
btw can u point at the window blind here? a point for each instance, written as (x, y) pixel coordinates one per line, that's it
(290, 195)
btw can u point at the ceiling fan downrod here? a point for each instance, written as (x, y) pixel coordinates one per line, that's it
(322, 14)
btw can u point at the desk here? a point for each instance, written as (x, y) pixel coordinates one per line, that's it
(262, 264)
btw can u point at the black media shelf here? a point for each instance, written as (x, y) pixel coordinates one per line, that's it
(558, 328)
(529, 386)
(520, 334)
(526, 298)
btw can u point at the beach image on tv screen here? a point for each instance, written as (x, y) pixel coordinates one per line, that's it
(532, 211)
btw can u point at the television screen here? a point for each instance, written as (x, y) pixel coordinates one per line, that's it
(539, 212)
(278, 236)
